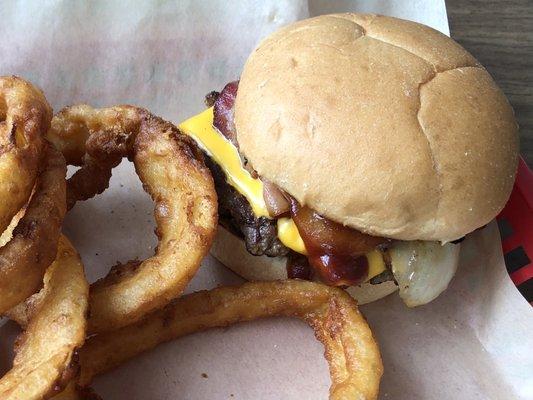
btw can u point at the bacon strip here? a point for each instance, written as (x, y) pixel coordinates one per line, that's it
(223, 111)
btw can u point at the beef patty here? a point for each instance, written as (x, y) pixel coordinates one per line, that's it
(235, 213)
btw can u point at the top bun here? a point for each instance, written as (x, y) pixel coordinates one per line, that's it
(381, 124)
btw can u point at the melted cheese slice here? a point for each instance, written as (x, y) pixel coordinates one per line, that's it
(222, 151)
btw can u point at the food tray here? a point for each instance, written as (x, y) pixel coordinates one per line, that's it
(516, 230)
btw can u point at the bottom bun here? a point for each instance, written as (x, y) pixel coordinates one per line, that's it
(231, 251)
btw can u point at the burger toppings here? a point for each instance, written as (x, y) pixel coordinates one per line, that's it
(227, 157)
(323, 235)
(223, 112)
(276, 201)
(259, 233)
(335, 251)
(339, 269)
(260, 213)
(290, 236)
(423, 270)
(298, 266)
(223, 119)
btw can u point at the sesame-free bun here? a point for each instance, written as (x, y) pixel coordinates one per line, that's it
(231, 251)
(381, 124)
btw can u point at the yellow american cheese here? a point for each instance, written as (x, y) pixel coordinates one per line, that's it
(289, 235)
(376, 264)
(222, 151)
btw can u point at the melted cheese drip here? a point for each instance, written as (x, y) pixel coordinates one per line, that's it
(222, 151)
(289, 235)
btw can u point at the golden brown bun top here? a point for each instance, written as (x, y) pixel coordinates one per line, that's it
(384, 125)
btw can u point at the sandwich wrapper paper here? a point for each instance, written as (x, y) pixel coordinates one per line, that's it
(473, 342)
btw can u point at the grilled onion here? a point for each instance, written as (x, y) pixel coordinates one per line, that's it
(423, 270)
(277, 204)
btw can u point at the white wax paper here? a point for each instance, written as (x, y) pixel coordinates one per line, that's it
(473, 342)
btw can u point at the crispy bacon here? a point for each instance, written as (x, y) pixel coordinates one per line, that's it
(336, 252)
(223, 112)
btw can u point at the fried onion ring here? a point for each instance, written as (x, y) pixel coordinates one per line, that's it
(45, 359)
(24, 119)
(352, 353)
(172, 171)
(33, 245)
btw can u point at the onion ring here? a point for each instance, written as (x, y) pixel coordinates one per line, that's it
(7, 235)
(24, 119)
(33, 246)
(172, 171)
(45, 359)
(352, 353)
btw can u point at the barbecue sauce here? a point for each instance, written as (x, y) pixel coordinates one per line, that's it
(336, 252)
(298, 266)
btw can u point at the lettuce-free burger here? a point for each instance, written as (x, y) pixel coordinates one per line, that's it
(357, 150)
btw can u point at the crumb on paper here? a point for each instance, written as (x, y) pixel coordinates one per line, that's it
(204, 375)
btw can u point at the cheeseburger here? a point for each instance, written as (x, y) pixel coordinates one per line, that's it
(358, 150)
